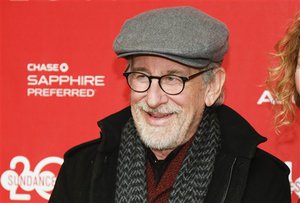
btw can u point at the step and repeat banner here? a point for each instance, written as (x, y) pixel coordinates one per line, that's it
(59, 76)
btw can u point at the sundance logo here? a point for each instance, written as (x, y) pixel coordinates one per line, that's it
(19, 184)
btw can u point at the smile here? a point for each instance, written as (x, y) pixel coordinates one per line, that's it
(158, 119)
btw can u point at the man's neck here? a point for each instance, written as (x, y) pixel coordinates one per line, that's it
(161, 154)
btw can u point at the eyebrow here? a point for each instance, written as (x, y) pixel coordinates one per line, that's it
(176, 72)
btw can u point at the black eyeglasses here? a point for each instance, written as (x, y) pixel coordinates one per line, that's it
(170, 84)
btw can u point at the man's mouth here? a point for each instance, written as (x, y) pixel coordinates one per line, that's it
(159, 115)
(158, 119)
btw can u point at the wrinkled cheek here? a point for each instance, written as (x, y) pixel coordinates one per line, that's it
(136, 113)
(136, 97)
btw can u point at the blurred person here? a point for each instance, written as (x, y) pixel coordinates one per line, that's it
(284, 79)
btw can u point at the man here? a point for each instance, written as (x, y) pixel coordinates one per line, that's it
(176, 143)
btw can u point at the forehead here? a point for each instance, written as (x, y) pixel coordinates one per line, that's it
(156, 64)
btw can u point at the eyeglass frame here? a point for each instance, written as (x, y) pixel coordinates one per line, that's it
(183, 78)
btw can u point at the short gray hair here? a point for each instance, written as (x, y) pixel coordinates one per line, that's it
(209, 76)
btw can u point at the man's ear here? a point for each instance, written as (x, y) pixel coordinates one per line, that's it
(215, 87)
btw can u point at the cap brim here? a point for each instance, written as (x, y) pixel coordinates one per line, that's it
(196, 63)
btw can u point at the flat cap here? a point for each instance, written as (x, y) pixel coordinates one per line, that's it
(183, 34)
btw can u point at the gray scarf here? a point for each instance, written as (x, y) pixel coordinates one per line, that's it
(191, 184)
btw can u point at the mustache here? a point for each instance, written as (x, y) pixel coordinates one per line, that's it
(166, 108)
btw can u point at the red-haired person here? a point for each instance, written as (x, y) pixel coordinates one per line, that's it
(284, 79)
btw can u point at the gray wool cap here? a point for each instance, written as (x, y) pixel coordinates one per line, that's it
(183, 34)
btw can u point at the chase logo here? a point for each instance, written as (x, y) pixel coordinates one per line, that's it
(50, 67)
(52, 80)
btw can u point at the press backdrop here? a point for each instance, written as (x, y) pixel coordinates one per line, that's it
(59, 76)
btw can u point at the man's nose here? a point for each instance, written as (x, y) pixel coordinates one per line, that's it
(155, 95)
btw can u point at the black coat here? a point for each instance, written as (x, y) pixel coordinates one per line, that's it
(243, 172)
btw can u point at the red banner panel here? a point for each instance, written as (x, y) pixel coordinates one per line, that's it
(59, 76)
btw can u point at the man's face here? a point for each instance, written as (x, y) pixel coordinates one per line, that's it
(166, 121)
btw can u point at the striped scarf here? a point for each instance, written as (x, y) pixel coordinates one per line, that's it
(191, 184)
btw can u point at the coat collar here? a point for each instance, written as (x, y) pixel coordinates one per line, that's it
(111, 128)
(238, 137)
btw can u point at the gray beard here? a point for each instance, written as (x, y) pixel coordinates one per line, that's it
(161, 137)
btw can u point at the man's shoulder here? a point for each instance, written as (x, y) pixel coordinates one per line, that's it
(86, 148)
(267, 179)
(270, 163)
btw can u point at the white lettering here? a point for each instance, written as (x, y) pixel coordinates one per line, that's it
(32, 80)
(46, 85)
(82, 80)
(295, 185)
(64, 67)
(60, 92)
(40, 180)
(46, 67)
(43, 80)
(266, 97)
